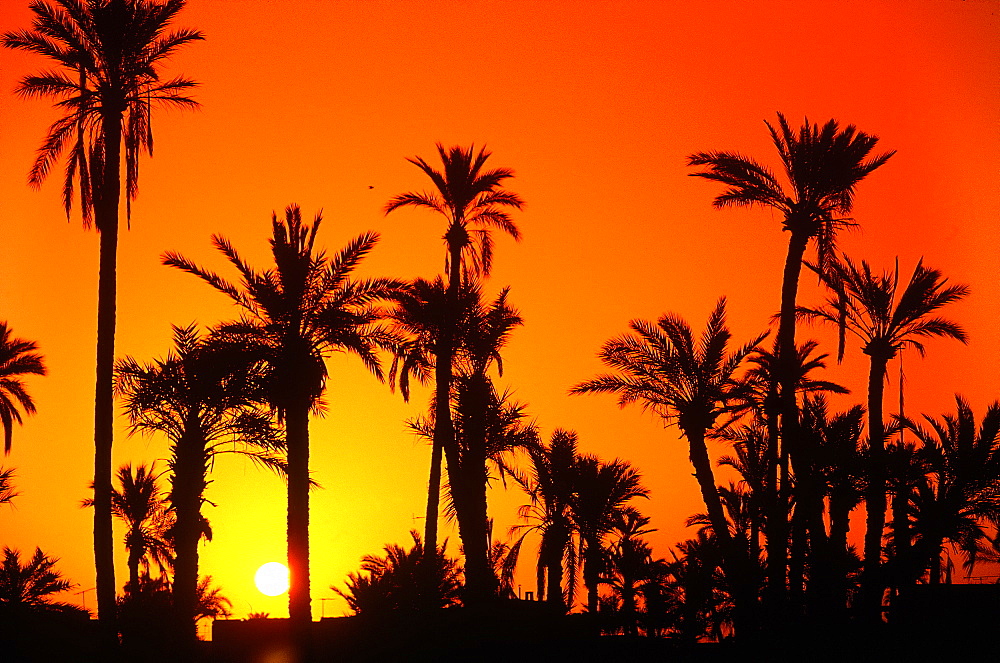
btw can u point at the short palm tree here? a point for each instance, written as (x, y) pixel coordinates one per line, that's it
(109, 54)
(823, 167)
(294, 315)
(142, 507)
(472, 200)
(959, 500)
(403, 580)
(30, 585)
(206, 402)
(693, 384)
(886, 320)
(17, 359)
(550, 484)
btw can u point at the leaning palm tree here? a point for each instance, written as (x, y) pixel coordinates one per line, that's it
(205, 402)
(693, 384)
(870, 307)
(823, 167)
(17, 359)
(109, 54)
(472, 201)
(294, 315)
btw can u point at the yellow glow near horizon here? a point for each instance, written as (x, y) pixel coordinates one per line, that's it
(272, 579)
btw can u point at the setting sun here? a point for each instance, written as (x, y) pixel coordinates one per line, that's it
(272, 579)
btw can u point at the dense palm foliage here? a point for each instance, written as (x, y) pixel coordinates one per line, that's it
(886, 320)
(205, 401)
(109, 55)
(31, 584)
(403, 580)
(692, 383)
(822, 167)
(294, 315)
(472, 200)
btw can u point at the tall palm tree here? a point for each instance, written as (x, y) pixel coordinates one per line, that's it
(693, 384)
(17, 358)
(870, 307)
(294, 315)
(823, 167)
(472, 201)
(109, 54)
(206, 402)
(141, 506)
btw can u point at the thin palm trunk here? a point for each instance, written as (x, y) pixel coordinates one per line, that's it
(297, 439)
(875, 503)
(107, 224)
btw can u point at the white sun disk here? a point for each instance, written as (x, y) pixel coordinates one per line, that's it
(272, 579)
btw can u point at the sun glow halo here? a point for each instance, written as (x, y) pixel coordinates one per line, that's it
(272, 579)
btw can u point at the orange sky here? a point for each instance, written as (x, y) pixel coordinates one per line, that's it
(595, 105)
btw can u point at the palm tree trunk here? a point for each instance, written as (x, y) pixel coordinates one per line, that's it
(185, 497)
(433, 498)
(777, 521)
(106, 212)
(875, 505)
(741, 578)
(297, 438)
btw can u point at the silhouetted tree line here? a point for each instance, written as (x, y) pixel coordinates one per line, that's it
(771, 550)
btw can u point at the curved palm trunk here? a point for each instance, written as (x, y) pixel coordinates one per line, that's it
(186, 497)
(741, 578)
(106, 212)
(875, 504)
(297, 439)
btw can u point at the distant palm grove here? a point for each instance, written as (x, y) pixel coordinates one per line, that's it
(830, 518)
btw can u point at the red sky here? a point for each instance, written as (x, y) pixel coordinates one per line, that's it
(595, 105)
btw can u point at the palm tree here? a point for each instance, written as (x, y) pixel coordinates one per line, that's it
(109, 53)
(867, 306)
(294, 315)
(960, 497)
(17, 358)
(663, 368)
(141, 506)
(206, 402)
(400, 580)
(550, 486)
(472, 201)
(30, 585)
(630, 566)
(823, 167)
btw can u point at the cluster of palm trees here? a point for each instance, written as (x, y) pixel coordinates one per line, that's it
(778, 538)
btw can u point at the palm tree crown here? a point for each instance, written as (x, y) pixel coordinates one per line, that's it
(472, 201)
(110, 52)
(17, 358)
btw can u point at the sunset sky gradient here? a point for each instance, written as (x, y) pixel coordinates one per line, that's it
(595, 105)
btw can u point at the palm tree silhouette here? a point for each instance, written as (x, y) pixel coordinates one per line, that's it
(141, 506)
(867, 305)
(823, 167)
(7, 492)
(206, 401)
(17, 358)
(663, 368)
(958, 499)
(294, 315)
(400, 580)
(550, 486)
(472, 201)
(31, 584)
(109, 53)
